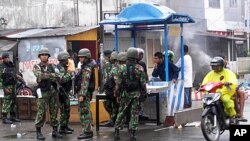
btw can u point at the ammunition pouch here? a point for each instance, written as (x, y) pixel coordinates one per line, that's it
(132, 86)
(45, 85)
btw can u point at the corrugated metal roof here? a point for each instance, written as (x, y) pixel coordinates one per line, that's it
(6, 45)
(50, 32)
(27, 33)
(6, 32)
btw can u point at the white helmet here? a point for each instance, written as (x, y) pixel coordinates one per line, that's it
(140, 50)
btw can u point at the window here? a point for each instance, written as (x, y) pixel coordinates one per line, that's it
(214, 3)
(233, 3)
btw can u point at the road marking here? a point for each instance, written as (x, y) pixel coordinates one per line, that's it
(163, 128)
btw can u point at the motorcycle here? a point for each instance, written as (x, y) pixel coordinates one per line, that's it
(22, 89)
(214, 120)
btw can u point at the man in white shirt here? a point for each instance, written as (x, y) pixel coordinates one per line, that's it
(188, 82)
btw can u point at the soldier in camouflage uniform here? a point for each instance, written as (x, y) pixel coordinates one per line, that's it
(1, 69)
(106, 65)
(85, 94)
(110, 102)
(121, 58)
(131, 78)
(64, 90)
(47, 76)
(9, 79)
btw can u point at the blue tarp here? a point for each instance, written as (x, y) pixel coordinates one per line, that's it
(147, 14)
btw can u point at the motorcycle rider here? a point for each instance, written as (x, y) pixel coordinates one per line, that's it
(228, 78)
(240, 94)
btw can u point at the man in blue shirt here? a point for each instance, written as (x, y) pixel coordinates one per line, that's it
(159, 68)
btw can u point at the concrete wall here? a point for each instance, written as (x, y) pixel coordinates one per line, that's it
(47, 13)
(232, 13)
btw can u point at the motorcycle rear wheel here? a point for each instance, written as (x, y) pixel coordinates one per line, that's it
(210, 132)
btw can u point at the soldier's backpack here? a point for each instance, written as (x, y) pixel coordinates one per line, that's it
(132, 84)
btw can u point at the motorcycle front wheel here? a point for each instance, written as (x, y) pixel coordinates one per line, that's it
(210, 127)
(26, 91)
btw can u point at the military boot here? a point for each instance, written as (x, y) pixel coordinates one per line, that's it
(39, 134)
(85, 135)
(132, 135)
(72, 130)
(5, 119)
(116, 134)
(55, 133)
(64, 130)
(13, 117)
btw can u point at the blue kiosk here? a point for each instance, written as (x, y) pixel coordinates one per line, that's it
(145, 16)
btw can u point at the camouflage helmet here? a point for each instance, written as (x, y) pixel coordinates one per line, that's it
(63, 55)
(43, 51)
(113, 56)
(132, 53)
(84, 53)
(122, 56)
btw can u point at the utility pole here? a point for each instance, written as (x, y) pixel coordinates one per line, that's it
(76, 13)
(247, 24)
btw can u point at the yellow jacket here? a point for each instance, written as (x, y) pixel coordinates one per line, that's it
(224, 76)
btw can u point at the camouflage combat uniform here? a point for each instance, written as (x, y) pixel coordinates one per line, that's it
(84, 110)
(8, 76)
(64, 97)
(114, 105)
(107, 67)
(49, 94)
(86, 90)
(131, 80)
(47, 78)
(1, 79)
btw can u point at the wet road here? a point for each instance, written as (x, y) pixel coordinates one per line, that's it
(146, 132)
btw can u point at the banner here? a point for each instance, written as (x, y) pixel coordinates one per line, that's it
(175, 97)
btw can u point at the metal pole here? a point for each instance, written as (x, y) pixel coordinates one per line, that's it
(166, 50)
(116, 39)
(101, 10)
(228, 51)
(77, 13)
(232, 45)
(248, 43)
(182, 54)
(134, 38)
(247, 22)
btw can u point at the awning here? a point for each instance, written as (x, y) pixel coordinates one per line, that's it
(6, 45)
(147, 14)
